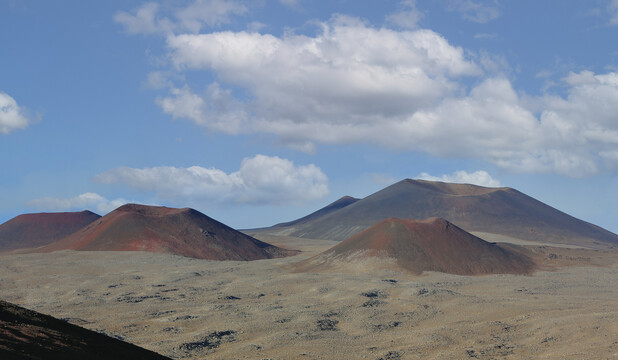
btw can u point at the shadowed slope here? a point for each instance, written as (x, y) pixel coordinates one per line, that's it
(428, 245)
(339, 204)
(502, 211)
(184, 232)
(34, 230)
(26, 334)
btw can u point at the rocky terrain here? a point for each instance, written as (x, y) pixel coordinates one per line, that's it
(189, 308)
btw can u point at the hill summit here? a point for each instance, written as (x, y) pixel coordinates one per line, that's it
(416, 246)
(186, 232)
(39, 229)
(491, 213)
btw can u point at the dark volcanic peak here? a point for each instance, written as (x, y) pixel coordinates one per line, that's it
(491, 211)
(429, 245)
(336, 205)
(26, 334)
(453, 188)
(149, 210)
(39, 229)
(185, 232)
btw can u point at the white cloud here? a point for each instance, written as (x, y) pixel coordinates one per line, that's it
(347, 78)
(150, 19)
(88, 200)
(479, 11)
(256, 26)
(352, 83)
(12, 116)
(481, 178)
(260, 180)
(216, 109)
(407, 17)
(399, 89)
(208, 12)
(383, 179)
(612, 9)
(145, 20)
(290, 2)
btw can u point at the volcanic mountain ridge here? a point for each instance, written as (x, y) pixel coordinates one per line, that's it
(491, 213)
(416, 246)
(35, 230)
(186, 232)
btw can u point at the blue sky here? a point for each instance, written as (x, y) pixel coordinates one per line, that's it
(260, 112)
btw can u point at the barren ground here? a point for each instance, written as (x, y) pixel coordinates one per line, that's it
(188, 308)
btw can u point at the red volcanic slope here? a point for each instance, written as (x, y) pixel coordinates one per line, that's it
(185, 232)
(26, 334)
(34, 230)
(429, 245)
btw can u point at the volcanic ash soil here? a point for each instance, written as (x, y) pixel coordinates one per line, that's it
(191, 309)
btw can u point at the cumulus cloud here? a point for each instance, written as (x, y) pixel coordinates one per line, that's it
(612, 9)
(215, 109)
(150, 19)
(12, 116)
(260, 180)
(481, 178)
(383, 179)
(208, 12)
(401, 88)
(476, 11)
(144, 20)
(408, 15)
(289, 2)
(88, 200)
(348, 77)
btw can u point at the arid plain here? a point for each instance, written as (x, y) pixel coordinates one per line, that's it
(191, 308)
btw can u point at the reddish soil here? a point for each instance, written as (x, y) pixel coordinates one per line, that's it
(185, 232)
(26, 334)
(432, 245)
(34, 230)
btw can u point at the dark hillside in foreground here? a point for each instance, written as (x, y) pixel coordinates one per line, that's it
(26, 334)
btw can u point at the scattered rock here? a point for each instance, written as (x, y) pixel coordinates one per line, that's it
(160, 313)
(391, 355)
(391, 325)
(373, 303)
(210, 341)
(75, 321)
(471, 353)
(327, 324)
(185, 317)
(331, 314)
(392, 281)
(375, 294)
(135, 299)
(231, 297)
(548, 339)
